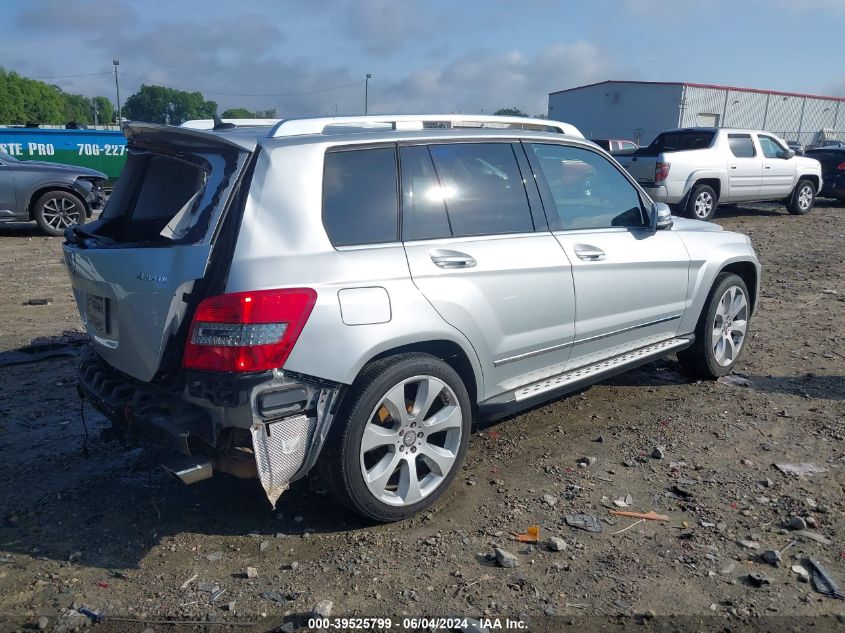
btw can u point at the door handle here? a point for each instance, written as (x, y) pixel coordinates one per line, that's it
(733, 166)
(768, 166)
(452, 259)
(589, 253)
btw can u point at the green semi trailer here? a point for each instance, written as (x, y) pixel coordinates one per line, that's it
(103, 150)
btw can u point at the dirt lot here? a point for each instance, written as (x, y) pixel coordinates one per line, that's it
(110, 532)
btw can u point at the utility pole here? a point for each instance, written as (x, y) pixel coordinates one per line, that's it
(366, 91)
(117, 87)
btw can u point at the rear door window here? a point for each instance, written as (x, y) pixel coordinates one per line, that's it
(423, 204)
(360, 198)
(741, 145)
(483, 188)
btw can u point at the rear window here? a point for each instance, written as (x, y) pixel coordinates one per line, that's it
(741, 145)
(681, 140)
(164, 198)
(360, 198)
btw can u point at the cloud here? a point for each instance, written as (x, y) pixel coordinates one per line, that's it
(490, 80)
(384, 25)
(74, 15)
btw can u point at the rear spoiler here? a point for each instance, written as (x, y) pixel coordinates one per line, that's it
(137, 133)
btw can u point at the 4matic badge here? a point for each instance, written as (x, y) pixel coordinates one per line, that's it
(162, 279)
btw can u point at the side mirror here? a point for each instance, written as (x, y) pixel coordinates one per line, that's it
(661, 216)
(787, 154)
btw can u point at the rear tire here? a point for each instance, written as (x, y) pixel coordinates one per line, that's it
(399, 439)
(56, 210)
(702, 203)
(802, 199)
(722, 329)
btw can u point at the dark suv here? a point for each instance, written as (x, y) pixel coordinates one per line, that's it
(55, 196)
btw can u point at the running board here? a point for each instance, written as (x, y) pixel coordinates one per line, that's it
(576, 378)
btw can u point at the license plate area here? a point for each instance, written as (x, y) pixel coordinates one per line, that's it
(97, 313)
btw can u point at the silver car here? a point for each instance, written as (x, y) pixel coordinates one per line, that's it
(352, 292)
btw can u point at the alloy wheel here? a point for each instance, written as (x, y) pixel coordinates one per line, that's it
(703, 204)
(805, 197)
(60, 213)
(411, 440)
(729, 326)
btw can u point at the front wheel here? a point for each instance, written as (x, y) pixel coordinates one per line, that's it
(702, 203)
(802, 199)
(57, 210)
(721, 331)
(400, 437)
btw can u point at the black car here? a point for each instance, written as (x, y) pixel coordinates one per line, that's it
(55, 196)
(796, 147)
(833, 170)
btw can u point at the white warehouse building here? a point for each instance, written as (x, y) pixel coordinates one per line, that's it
(640, 110)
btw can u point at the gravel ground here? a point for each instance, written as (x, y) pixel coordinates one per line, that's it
(105, 529)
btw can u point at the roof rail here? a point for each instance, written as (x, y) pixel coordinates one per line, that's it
(380, 122)
(208, 124)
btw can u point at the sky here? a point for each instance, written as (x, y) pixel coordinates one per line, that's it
(310, 57)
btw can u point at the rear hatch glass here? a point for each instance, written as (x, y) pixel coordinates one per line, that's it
(135, 270)
(682, 140)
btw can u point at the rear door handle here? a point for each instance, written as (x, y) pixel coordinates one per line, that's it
(589, 253)
(451, 259)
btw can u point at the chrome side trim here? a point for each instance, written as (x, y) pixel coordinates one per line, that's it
(626, 329)
(536, 352)
(553, 348)
(596, 369)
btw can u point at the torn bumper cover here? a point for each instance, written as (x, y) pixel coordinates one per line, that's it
(288, 416)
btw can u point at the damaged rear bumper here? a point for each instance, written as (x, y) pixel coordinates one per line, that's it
(279, 421)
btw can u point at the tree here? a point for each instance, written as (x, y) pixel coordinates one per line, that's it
(24, 100)
(159, 104)
(243, 113)
(105, 110)
(509, 112)
(237, 113)
(76, 108)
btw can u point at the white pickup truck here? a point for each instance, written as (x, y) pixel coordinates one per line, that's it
(695, 169)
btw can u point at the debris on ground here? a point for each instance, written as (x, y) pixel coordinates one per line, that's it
(772, 557)
(648, 516)
(822, 582)
(659, 452)
(803, 468)
(323, 609)
(583, 522)
(735, 380)
(758, 580)
(532, 535)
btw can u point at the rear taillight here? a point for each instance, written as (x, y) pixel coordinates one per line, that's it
(841, 166)
(661, 172)
(247, 331)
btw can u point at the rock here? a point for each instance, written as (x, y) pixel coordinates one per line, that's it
(772, 556)
(205, 586)
(251, 572)
(629, 463)
(293, 565)
(214, 556)
(557, 544)
(659, 452)
(797, 523)
(803, 574)
(288, 627)
(231, 607)
(43, 622)
(811, 522)
(549, 500)
(768, 483)
(263, 546)
(727, 569)
(323, 609)
(583, 522)
(758, 580)
(747, 544)
(505, 558)
(583, 462)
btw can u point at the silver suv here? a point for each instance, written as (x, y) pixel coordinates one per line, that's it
(352, 292)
